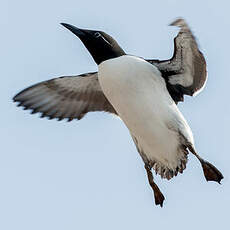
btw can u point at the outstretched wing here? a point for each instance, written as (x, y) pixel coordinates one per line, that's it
(185, 72)
(67, 97)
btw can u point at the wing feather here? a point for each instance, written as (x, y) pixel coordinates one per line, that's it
(66, 97)
(185, 73)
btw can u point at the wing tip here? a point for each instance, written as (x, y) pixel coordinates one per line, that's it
(15, 98)
(180, 22)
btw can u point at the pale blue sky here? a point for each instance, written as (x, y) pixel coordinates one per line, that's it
(87, 174)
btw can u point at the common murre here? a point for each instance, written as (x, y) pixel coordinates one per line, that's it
(142, 94)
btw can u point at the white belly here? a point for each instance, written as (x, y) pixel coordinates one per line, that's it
(138, 93)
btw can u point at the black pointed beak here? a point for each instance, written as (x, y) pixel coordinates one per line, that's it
(78, 32)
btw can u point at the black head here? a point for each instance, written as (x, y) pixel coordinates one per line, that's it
(100, 45)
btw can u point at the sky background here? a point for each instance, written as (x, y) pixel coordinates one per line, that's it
(88, 174)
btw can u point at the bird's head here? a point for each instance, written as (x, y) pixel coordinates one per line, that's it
(100, 45)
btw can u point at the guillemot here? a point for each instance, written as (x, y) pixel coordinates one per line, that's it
(143, 93)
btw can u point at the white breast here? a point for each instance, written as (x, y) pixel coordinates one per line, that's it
(138, 93)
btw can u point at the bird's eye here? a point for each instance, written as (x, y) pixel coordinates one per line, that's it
(97, 35)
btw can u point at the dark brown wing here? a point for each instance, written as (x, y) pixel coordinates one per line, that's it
(65, 97)
(185, 72)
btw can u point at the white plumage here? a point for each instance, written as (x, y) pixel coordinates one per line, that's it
(137, 91)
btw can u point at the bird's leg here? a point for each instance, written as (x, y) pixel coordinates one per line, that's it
(159, 197)
(211, 173)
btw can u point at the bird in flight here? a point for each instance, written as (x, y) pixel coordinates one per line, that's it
(143, 93)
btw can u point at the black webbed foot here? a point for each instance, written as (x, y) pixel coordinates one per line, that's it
(211, 173)
(159, 197)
